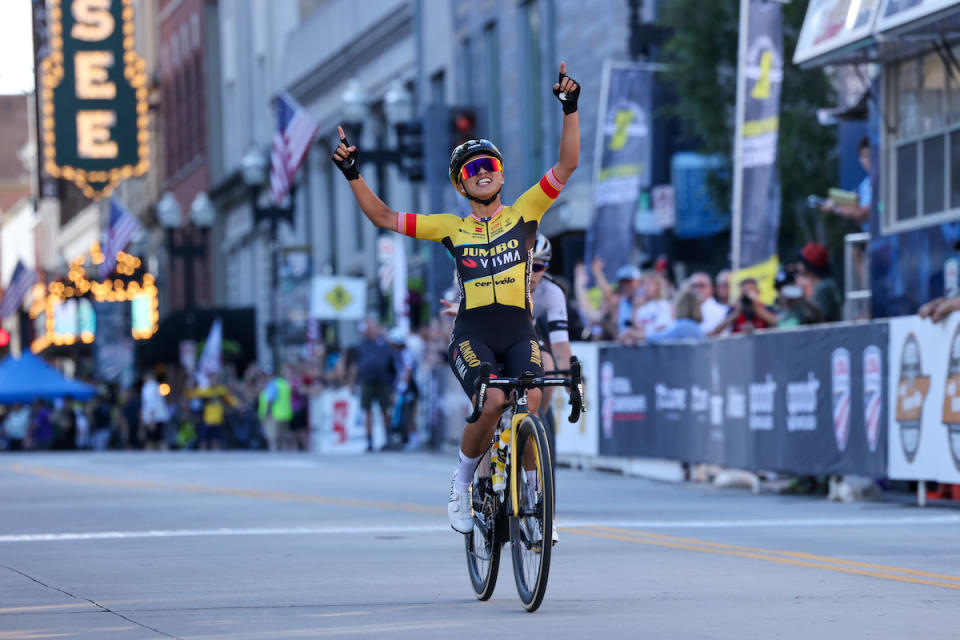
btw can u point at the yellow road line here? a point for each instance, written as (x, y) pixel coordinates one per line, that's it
(283, 496)
(792, 554)
(828, 564)
(794, 558)
(80, 604)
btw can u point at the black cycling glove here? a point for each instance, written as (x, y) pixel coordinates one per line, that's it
(349, 165)
(568, 100)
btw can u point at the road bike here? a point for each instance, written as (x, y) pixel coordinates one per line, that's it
(513, 492)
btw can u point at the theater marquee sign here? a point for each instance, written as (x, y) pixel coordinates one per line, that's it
(94, 96)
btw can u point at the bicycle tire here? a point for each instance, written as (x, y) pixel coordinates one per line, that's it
(483, 545)
(531, 557)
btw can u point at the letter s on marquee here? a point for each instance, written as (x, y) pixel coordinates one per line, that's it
(94, 22)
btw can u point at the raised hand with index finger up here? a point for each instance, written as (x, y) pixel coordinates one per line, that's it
(567, 90)
(345, 157)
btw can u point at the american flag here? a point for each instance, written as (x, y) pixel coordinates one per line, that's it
(21, 281)
(123, 226)
(295, 131)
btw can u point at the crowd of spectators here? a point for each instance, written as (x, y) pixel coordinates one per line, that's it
(261, 409)
(645, 306)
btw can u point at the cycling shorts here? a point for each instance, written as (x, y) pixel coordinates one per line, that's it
(510, 346)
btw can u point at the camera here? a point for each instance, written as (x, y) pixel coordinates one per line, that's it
(791, 291)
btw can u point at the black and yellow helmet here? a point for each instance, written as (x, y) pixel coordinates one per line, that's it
(471, 149)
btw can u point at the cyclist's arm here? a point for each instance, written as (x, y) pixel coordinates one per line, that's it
(569, 156)
(561, 354)
(382, 216)
(567, 90)
(554, 308)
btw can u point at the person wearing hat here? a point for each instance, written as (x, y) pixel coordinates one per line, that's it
(621, 300)
(813, 275)
(491, 249)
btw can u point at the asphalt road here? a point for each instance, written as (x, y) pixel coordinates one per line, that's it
(260, 546)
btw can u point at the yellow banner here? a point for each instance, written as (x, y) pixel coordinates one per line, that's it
(765, 273)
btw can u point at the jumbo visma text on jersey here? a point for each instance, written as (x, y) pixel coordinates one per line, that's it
(492, 255)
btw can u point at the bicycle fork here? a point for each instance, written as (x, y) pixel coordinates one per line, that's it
(505, 440)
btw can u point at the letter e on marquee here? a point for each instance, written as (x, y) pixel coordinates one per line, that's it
(93, 96)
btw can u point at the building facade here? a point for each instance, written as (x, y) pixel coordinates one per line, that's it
(905, 53)
(188, 79)
(253, 39)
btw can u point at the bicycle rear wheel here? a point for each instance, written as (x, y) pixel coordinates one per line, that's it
(484, 543)
(531, 531)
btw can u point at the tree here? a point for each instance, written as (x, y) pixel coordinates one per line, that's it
(701, 57)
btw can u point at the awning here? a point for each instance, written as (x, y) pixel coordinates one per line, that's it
(836, 30)
(859, 31)
(29, 378)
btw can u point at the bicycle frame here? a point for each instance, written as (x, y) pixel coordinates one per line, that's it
(521, 386)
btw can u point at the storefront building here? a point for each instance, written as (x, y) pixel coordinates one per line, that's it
(907, 53)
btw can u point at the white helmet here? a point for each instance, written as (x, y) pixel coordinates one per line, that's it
(397, 336)
(542, 249)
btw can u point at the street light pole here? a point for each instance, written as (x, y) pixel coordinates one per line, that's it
(202, 215)
(254, 172)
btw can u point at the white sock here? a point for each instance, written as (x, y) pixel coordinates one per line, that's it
(465, 471)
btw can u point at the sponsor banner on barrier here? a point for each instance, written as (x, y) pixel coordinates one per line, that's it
(806, 401)
(924, 399)
(337, 423)
(579, 438)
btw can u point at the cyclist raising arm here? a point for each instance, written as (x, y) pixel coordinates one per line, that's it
(492, 250)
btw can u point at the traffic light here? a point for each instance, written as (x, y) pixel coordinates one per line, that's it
(463, 125)
(410, 146)
(4, 338)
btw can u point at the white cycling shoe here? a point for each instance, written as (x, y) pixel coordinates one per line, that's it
(460, 508)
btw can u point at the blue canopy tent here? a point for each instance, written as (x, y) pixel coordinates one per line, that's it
(29, 378)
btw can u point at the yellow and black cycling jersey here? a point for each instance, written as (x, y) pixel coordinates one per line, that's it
(492, 255)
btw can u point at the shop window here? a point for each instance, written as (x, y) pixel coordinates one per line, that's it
(955, 170)
(922, 169)
(933, 175)
(933, 88)
(907, 182)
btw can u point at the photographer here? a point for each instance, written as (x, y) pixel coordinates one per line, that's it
(793, 309)
(748, 313)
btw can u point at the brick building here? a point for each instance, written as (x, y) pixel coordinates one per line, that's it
(189, 64)
(14, 131)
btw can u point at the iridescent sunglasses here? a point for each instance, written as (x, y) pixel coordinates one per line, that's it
(487, 163)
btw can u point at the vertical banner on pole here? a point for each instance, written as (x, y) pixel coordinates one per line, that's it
(757, 184)
(623, 155)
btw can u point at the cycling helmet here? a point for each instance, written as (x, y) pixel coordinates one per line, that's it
(542, 249)
(471, 149)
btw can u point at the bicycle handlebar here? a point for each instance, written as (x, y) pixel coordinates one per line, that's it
(574, 383)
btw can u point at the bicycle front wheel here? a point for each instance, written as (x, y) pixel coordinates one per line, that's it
(484, 542)
(531, 531)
